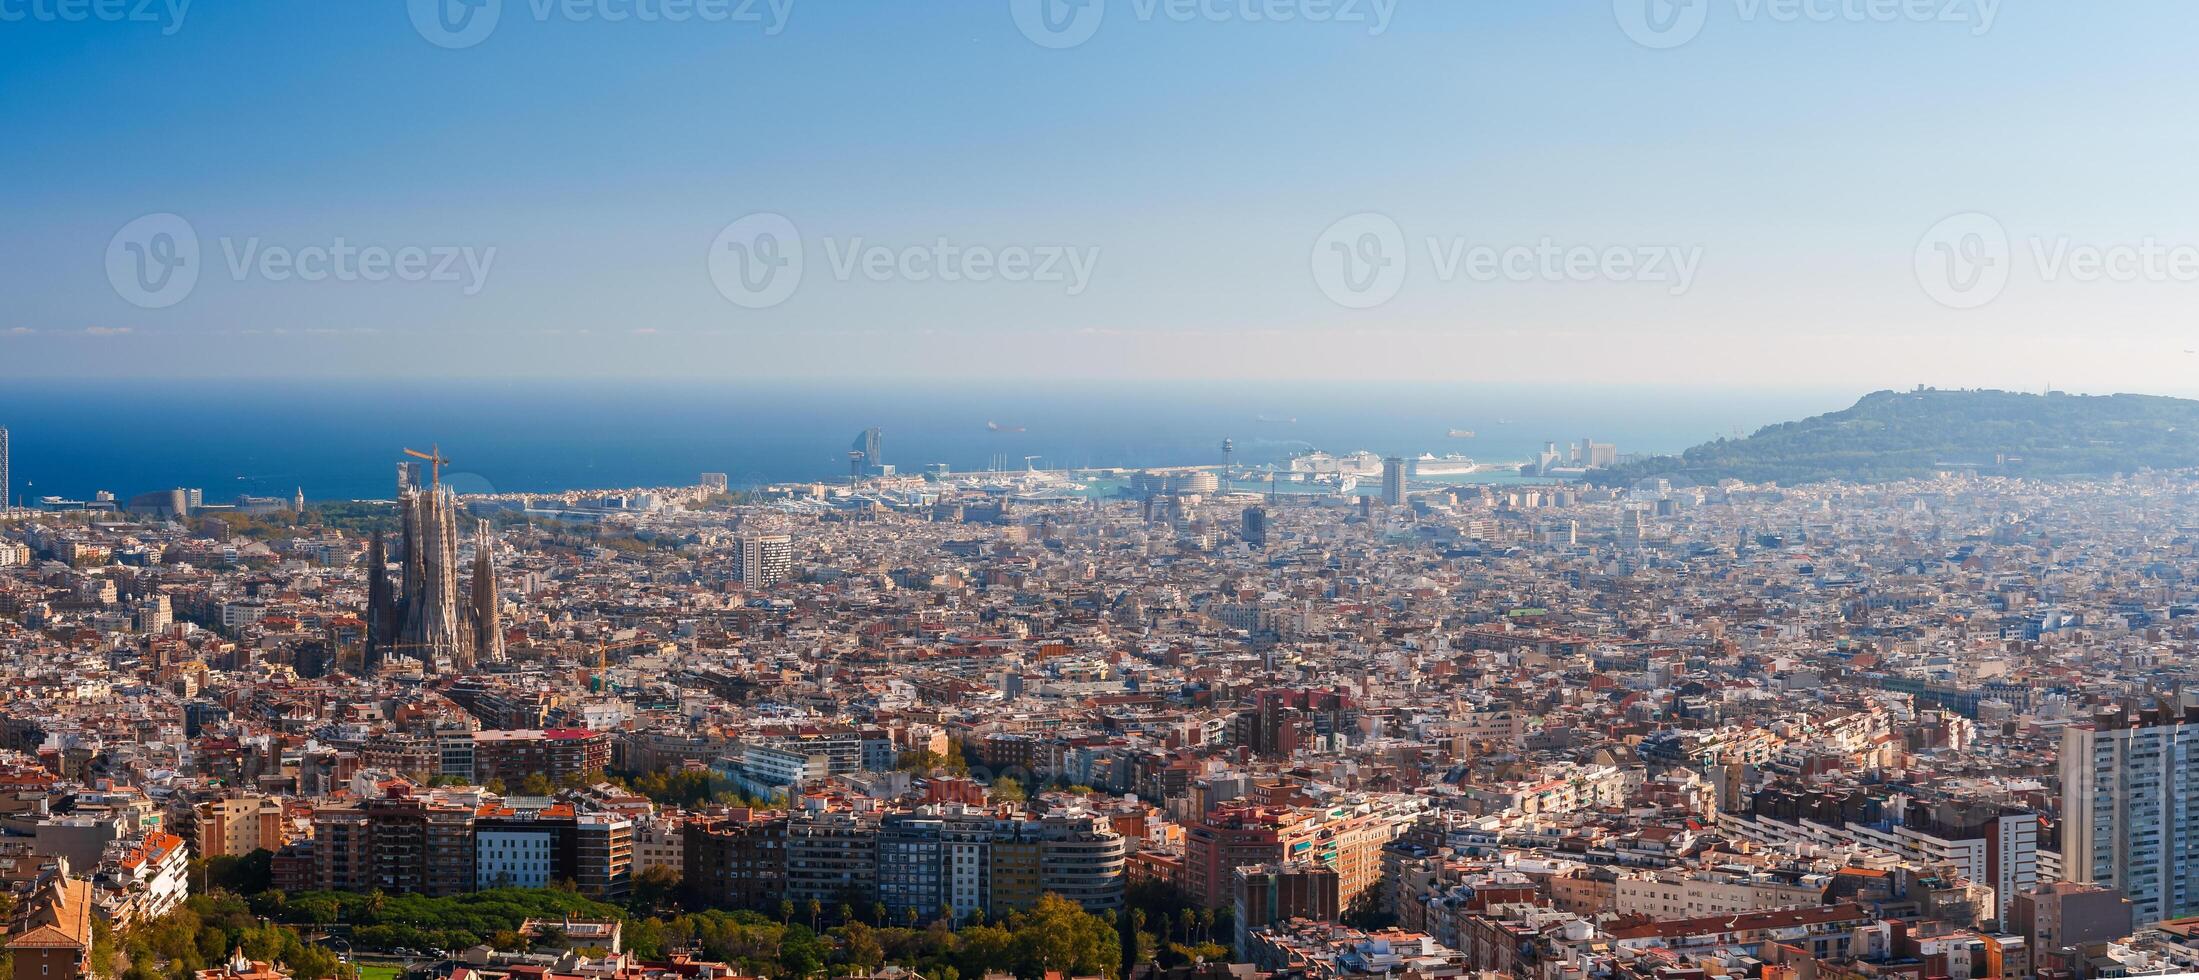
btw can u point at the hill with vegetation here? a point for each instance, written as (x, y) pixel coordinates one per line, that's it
(1891, 435)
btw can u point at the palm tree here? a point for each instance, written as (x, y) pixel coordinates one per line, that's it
(786, 911)
(814, 909)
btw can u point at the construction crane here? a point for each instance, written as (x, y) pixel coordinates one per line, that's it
(436, 462)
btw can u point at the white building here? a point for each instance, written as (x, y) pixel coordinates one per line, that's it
(2130, 808)
(761, 560)
(512, 858)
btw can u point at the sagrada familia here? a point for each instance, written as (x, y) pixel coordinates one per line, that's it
(423, 617)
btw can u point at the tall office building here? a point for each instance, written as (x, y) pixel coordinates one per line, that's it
(2130, 807)
(1393, 481)
(1630, 528)
(1255, 526)
(761, 560)
(866, 455)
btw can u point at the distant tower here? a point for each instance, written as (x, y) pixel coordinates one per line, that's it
(488, 617)
(1393, 481)
(1255, 526)
(7, 487)
(870, 445)
(1229, 453)
(298, 502)
(763, 560)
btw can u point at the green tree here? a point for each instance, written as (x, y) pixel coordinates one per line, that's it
(654, 889)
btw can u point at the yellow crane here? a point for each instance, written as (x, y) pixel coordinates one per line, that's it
(436, 462)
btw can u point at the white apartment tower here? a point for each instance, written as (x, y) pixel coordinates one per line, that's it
(2130, 808)
(761, 560)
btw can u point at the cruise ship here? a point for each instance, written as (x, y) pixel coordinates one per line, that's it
(1453, 464)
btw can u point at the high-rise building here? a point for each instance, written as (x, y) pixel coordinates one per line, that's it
(1255, 526)
(1237, 834)
(1393, 481)
(1270, 893)
(1595, 455)
(760, 560)
(7, 487)
(736, 861)
(2130, 811)
(1630, 528)
(237, 826)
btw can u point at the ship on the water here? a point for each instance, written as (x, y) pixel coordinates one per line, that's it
(1461, 433)
(1452, 464)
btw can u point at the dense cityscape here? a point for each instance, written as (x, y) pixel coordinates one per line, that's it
(940, 726)
(1099, 490)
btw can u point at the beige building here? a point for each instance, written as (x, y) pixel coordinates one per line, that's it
(1693, 894)
(659, 842)
(239, 825)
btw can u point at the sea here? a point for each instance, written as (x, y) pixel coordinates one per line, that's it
(341, 440)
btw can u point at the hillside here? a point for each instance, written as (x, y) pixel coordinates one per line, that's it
(1895, 435)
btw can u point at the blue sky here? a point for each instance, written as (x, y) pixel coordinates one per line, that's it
(1170, 188)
